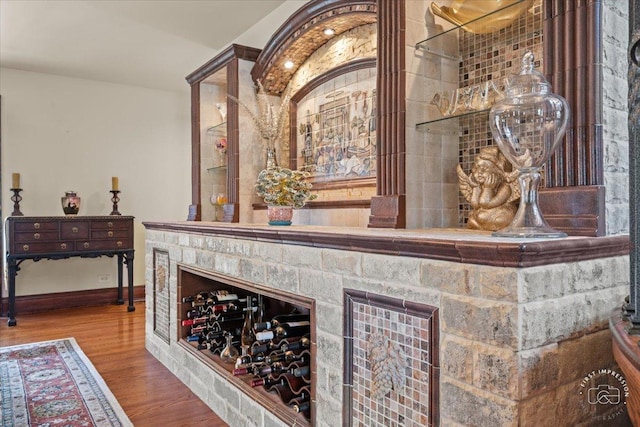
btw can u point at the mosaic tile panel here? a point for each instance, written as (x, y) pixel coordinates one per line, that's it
(337, 128)
(386, 336)
(487, 57)
(161, 319)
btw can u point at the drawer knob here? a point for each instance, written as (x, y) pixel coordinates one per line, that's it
(110, 224)
(36, 236)
(25, 248)
(36, 226)
(119, 244)
(74, 229)
(63, 246)
(110, 233)
(86, 245)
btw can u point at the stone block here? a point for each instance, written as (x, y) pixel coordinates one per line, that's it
(330, 347)
(328, 411)
(481, 320)
(321, 286)
(470, 406)
(341, 262)
(282, 277)
(539, 370)
(496, 370)
(251, 270)
(189, 256)
(205, 260)
(331, 316)
(389, 268)
(456, 358)
(267, 252)
(230, 265)
(302, 257)
(372, 286)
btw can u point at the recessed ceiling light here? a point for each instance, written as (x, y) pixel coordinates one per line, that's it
(288, 65)
(329, 31)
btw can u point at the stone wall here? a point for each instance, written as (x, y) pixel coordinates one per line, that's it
(515, 343)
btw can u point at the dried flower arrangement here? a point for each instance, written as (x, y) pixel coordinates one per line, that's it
(269, 121)
(284, 187)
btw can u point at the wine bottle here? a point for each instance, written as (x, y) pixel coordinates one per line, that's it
(286, 356)
(283, 345)
(278, 368)
(248, 359)
(285, 330)
(302, 406)
(279, 319)
(286, 394)
(248, 337)
(267, 382)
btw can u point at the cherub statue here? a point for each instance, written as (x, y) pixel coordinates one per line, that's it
(491, 189)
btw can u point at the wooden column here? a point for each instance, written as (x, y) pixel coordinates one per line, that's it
(195, 208)
(573, 65)
(388, 207)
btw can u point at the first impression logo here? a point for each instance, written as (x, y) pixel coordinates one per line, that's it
(604, 394)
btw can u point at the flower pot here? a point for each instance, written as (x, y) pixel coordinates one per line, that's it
(279, 215)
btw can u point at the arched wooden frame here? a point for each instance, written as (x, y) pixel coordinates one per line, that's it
(355, 65)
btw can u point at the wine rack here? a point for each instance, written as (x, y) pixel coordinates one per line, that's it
(278, 370)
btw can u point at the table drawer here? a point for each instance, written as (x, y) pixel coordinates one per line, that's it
(41, 247)
(35, 226)
(74, 230)
(110, 234)
(98, 245)
(36, 236)
(111, 224)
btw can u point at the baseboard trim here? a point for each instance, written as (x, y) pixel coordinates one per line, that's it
(75, 299)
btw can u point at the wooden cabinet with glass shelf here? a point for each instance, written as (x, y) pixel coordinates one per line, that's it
(215, 136)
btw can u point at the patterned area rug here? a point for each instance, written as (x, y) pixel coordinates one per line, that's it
(53, 383)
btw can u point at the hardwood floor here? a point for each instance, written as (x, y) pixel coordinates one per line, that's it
(113, 339)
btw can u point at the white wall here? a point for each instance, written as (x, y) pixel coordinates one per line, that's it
(65, 133)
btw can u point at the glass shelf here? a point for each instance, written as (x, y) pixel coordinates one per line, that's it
(218, 127)
(446, 125)
(430, 44)
(222, 168)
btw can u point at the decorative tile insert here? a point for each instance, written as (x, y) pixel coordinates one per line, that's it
(493, 56)
(161, 294)
(337, 128)
(391, 362)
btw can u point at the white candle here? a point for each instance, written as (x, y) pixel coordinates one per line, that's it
(15, 180)
(114, 183)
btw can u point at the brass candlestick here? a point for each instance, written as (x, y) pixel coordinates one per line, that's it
(115, 199)
(16, 198)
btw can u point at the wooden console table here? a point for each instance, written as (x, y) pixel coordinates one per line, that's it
(37, 238)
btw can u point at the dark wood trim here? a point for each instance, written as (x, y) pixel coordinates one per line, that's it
(388, 208)
(59, 300)
(578, 211)
(297, 25)
(221, 59)
(412, 243)
(233, 142)
(195, 209)
(573, 65)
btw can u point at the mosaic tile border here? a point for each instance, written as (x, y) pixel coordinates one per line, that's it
(411, 330)
(161, 306)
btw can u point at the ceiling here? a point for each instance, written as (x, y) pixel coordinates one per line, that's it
(149, 43)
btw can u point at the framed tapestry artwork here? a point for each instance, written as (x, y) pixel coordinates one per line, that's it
(333, 126)
(161, 313)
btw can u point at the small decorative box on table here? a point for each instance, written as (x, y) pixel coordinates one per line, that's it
(37, 238)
